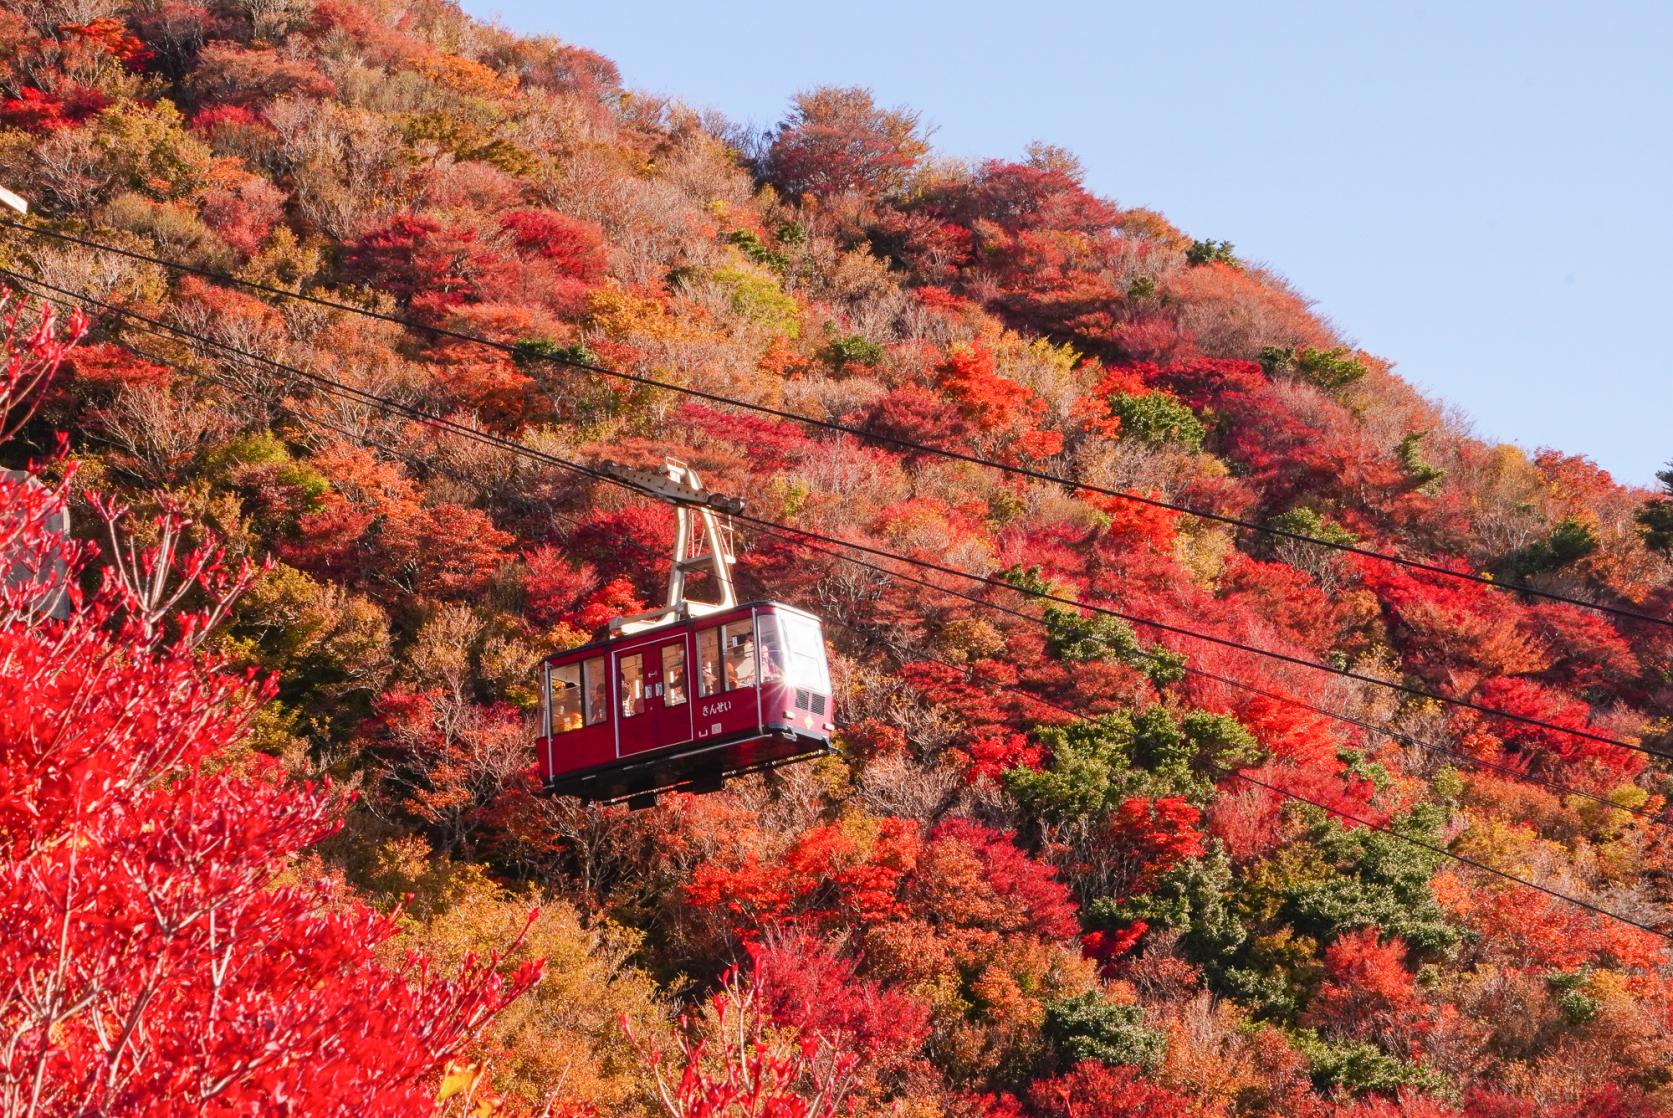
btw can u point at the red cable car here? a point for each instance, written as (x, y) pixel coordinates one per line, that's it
(680, 697)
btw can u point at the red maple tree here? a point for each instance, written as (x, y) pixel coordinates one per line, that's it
(156, 959)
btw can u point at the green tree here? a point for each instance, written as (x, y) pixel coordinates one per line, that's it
(1097, 763)
(1361, 1067)
(1091, 770)
(1655, 517)
(1420, 473)
(1079, 639)
(1327, 368)
(1212, 252)
(1214, 745)
(1157, 418)
(1089, 1026)
(1303, 521)
(1196, 898)
(1256, 932)
(1568, 543)
(753, 247)
(1376, 879)
(847, 350)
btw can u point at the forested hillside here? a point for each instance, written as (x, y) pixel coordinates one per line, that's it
(1130, 826)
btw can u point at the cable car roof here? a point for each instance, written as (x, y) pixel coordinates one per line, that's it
(703, 621)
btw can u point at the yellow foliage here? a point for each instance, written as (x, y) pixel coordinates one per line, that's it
(1271, 880)
(563, 636)
(564, 1039)
(1284, 949)
(1505, 479)
(284, 261)
(1504, 845)
(618, 313)
(970, 638)
(1151, 225)
(147, 147)
(1011, 346)
(504, 664)
(457, 1078)
(758, 299)
(1203, 547)
(1212, 1053)
(1603, 820)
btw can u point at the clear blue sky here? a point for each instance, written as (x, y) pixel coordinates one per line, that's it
(1477, 191)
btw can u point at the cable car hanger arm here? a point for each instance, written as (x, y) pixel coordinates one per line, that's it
(701, 542)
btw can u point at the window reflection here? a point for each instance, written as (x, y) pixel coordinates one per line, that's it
(738, 641)
(673, 675)
(633, 684)
(598, 691)
(772, 651)
(806, 646)
(709, 679)
(566, 698)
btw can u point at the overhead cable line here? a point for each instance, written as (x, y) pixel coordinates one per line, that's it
(1404, 738)
(1409, 740)
(1226, 642)
(516, 447)
(1464, 859)
(1236, 774)
(910, 445)
(1349, 816)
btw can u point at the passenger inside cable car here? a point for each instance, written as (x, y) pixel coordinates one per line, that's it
(740, 660)
(566, 697)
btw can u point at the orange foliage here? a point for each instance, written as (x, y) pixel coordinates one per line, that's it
(1367, 992)
(996, 404)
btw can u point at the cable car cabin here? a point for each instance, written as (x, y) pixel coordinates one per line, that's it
(685, 704)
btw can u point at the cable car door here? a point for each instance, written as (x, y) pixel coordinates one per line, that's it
(673, 699)
(654, 697)
(636, 683)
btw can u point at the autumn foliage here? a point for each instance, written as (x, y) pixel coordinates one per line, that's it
(276, 750)
(159, 961)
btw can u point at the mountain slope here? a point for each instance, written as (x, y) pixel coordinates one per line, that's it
(997, 906)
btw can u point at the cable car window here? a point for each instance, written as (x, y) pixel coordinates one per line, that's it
(806, 646)
(633, 684)
(708, 663)
(673, 675)
(738, 642)
(598, 691)
(566, 698)
(772, 650)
